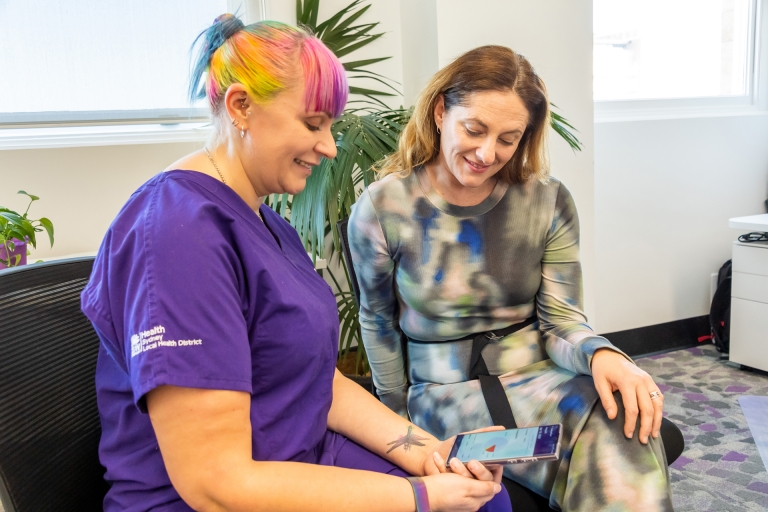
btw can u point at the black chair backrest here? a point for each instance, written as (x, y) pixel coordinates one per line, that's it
(341, 226)
(49, 421)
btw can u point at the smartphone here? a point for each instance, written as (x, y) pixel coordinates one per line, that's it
(509, 446)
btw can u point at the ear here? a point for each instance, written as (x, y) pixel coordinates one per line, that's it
(238, 106)
(439, 111)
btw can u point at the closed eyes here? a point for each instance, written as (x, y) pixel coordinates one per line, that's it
(472, 133)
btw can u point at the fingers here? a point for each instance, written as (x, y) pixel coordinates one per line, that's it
(606, 397)
(631, 409)
(658, 411)
(646, 413)
(439, 462)
(459, 468)
(480, 471)
(635, 386)
(483, 490)
(458, 494)
(497, 472)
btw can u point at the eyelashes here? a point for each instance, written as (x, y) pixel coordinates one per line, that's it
(478, 134)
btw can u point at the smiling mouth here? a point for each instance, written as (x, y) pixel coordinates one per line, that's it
(475, 166)
(302, 163)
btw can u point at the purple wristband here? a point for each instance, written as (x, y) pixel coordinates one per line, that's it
(420, 493)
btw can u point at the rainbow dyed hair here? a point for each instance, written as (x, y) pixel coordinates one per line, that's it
(264, 57)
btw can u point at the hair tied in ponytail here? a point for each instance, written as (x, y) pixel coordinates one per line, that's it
(228, 25)
(224, 27)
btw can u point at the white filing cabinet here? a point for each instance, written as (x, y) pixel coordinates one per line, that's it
(749, 296)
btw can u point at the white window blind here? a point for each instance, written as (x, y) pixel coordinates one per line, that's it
(67, 61)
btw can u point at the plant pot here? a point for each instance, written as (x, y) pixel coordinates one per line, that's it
(19, 249)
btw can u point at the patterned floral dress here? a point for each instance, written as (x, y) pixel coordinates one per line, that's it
(432, 271)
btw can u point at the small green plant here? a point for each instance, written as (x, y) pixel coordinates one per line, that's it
(15, 228)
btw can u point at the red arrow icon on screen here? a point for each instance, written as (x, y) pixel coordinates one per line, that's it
(491, 448)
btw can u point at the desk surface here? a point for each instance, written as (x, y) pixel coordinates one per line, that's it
(750, 223)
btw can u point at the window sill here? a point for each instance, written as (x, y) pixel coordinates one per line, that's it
(689, 108)
(102, 135)
(664, 114)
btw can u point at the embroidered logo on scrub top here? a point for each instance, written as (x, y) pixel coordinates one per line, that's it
(145, 341)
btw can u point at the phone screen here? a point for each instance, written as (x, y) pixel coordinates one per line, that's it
(507, 444)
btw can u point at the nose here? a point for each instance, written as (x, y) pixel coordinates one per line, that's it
(326, 146)
(486, 153)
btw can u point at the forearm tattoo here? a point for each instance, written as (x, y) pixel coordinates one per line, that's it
(406, 441)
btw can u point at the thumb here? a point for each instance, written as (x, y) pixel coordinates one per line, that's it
(483, 489)
(605, 392)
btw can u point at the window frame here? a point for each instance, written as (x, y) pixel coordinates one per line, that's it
(754, 102)
(72, 118)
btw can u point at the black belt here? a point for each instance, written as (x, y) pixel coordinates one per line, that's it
(493, 391)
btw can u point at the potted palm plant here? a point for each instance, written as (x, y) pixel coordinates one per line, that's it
(365, 133)
(17, 231)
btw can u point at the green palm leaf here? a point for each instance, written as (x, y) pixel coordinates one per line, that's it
(342, 36)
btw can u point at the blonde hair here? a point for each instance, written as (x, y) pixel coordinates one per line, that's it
(487, 68)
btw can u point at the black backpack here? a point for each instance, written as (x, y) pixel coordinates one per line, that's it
(720, 311)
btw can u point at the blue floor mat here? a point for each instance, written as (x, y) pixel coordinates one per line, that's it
(755, 409)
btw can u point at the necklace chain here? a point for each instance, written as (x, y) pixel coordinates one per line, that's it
(214, 165)
(258, 213)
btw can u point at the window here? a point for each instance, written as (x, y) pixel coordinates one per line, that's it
(67, 61)
(681, 50)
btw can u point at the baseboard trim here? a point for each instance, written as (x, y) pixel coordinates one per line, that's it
(660, 338)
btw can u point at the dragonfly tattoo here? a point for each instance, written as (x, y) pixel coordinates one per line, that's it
(406, 441)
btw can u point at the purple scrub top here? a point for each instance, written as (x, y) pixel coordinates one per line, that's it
(191, 289)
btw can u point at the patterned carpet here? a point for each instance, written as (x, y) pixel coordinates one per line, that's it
(721, 469)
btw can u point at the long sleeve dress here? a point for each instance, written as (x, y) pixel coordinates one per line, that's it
(432, 271)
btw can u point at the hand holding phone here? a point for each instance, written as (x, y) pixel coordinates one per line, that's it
(508, 446)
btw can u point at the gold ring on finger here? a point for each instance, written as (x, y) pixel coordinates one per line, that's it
(655, 395)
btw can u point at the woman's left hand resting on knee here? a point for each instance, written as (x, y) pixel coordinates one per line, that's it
(611, 372)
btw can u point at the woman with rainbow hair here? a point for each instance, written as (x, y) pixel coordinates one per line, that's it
(216, 379)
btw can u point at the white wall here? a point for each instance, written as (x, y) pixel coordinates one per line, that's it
(556, 36)
(664, 191)
(418, 25)
(81, 189)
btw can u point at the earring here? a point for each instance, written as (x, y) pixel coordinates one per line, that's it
(438, 130)
(234, 123)
(242, 133)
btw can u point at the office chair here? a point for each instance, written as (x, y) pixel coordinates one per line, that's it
(523, 499)
(49, 422)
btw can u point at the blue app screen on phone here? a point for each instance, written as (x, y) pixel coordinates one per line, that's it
(509, 444)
